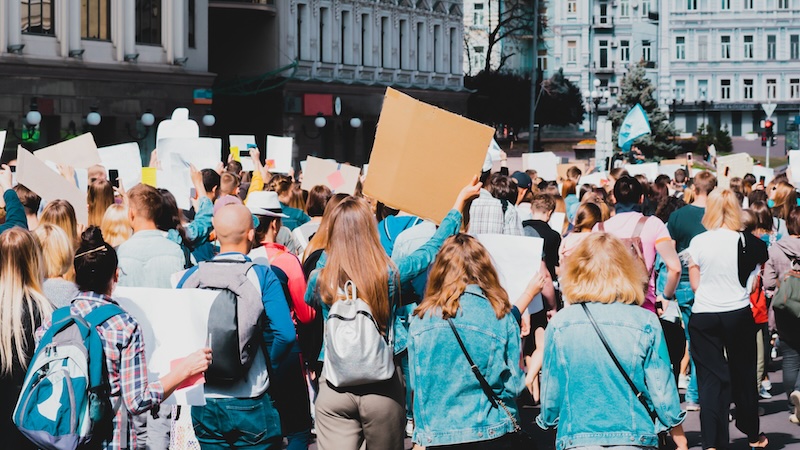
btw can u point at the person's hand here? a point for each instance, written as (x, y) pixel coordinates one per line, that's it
(536, 285)
(154, 161)
(469, 192)
(219, 168)
(195, 175)
(661, 305)
(291, 173)
(195, 363)
(5, 178)
(230, 157)
(68, 172)
(120, 190)
(525, 325)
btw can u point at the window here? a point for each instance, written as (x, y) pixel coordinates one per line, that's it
(691, 5)
(604, 12)
(680, 89)
(572, 52)
(477, 15)
(783, 4)
(437, 48)
(702, 89)
(96, 19)
(190, 30)
(748, 89)
(303, 33)
(646, 50)
(625, 51)
(794, 46)
(725, 42)
(702, 48)
(346, 39)
(624, 8)
(325, 35)
(421, 66)
(645, 8)
(726, 4)
(771, 46)
(725, 89)
(37, 17)
(572, 7)
(480, 58)
(794, 88)
(748, 47)
(455, 51)
(772, 89)
(402, 46)
(748, 4)
(603, 57)
(541, 61)
(386, 43)
(366, 40)
(680, 48)
(148, 22)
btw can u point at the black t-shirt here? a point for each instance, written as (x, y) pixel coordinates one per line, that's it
(552, 240)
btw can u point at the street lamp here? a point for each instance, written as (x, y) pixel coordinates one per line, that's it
(704, 104)
(147, 120)
(596, 97)
(29, 126)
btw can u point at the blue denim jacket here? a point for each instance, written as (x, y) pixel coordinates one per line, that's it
(407, 269)
(449, 405)
(583, 392)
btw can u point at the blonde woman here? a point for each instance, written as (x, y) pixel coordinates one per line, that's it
(116, 225)
(61, 214)
(722, 330)
(580, 381)
(58, 254)
(99, 197)
(23, 308)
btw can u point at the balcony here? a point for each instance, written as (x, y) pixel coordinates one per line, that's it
(608, 68)
(343, 73)
(653, 16)
(268, 6)
(603, 23)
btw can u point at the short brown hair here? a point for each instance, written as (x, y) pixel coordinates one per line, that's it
(228, 183)
(587, 216)
(793, 221)
(543, 203)
(30, 201)
(145, 201)
(704, 182)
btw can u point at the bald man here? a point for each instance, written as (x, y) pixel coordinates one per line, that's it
(230, 407)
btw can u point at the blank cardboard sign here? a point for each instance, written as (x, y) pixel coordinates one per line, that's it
(730, 166)
(34, 174)
(423, 156)
(78, 152)
(339, 178)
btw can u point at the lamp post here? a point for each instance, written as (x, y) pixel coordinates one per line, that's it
(29, 126)
(704, 104)
(596, 97)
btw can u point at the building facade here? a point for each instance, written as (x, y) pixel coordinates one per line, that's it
(724, 58)
(510, 54)
(598, 39)
(120, 58)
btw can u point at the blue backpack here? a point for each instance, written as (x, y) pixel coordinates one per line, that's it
(64, 402)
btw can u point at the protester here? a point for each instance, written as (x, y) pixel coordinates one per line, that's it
(524, 186)
(782, 257)
(61, 214)
(31, 202)
(586, 217)
(58, 253)
(99, 197)
(240, 414)
(464, 289)
(283, 186)
(372, 413)
(96, 276)
(542, 207)
(319, 241)
(602, 278)
(318, 197)
(722, 331)
(493, 212)
(116, 225)
(23, 308)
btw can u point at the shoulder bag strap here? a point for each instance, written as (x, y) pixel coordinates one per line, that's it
(600, 227)
(635, 390)
(493, 398)
(637, 232)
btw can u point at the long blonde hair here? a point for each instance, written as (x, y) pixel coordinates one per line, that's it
(99, 197)
(355, 253)
(58, 251)
(462, 261)
(62, 214)
(602, 269)
(20, 293)
(320, 238)
(116, 225)
(723, 209)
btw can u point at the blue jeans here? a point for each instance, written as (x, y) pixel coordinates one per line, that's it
(228, 423)
(790, 366)
(685, 297)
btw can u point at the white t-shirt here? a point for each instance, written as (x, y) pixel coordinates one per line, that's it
(716, 252)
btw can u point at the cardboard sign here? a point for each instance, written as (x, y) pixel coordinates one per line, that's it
(516, 258)
(240, 150)
(423, 156)
(34, 174)
(340, 178)
(794, 166)
(650, 170)
(124, 158)
(78, 152)
(669, 169)
(598, 179)
(556, 221)
(149, 176)
(735, 165)
(174, 324)
(204, 153)
(279, 154)
(561, 169)
(761, 171)
(545, 164)
(178, 125)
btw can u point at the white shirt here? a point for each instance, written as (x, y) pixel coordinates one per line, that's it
(716, 253)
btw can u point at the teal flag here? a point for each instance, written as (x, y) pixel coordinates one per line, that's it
(635, 124)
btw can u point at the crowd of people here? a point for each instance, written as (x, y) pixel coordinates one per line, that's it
(646, 286)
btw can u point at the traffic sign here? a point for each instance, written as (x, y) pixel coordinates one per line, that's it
(769, 108)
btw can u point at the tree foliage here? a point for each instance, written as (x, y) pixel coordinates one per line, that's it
(560, 102)
(514, 18)
(637, 88)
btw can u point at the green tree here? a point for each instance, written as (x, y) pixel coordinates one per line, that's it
(637, 88)
(559, 101)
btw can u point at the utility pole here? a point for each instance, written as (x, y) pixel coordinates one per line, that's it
(534, 74)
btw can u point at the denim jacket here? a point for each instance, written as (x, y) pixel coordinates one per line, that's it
(407, 269)
(449, 405)
(583, 392)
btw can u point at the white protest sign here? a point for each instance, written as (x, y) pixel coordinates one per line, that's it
(174, 324)
(34, 174)
(545, 164)
(598, 179)
(204, 153)
(761, 171)
(125, 159)
(730, 166)
(556, 221)
(279, 154)
(240, 150)
(78, 152)
(669, 169)
(649, 170)
(516, 258)
(794, 165)
(178, 125)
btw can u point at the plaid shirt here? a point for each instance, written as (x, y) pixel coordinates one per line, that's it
(486, 216)
(125, 360)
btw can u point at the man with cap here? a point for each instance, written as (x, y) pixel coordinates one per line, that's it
(524, 184)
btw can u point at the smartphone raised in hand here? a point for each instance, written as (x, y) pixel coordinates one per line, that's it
(113, 177)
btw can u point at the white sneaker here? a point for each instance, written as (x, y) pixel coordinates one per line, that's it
(793, 418)
(409, 428)
(683, 381)
(794, 399)
(763, 393)
(766, 384)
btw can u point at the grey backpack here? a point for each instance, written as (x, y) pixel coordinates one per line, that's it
(236, 318)
(356, 352)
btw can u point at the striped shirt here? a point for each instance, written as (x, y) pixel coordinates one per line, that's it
(125, 361)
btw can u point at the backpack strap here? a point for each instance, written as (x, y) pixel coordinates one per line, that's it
(637, 231)
(94, 345)
(600, 227)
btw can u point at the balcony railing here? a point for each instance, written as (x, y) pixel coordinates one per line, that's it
(603, 22)
(257, 5)
(309, 70)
